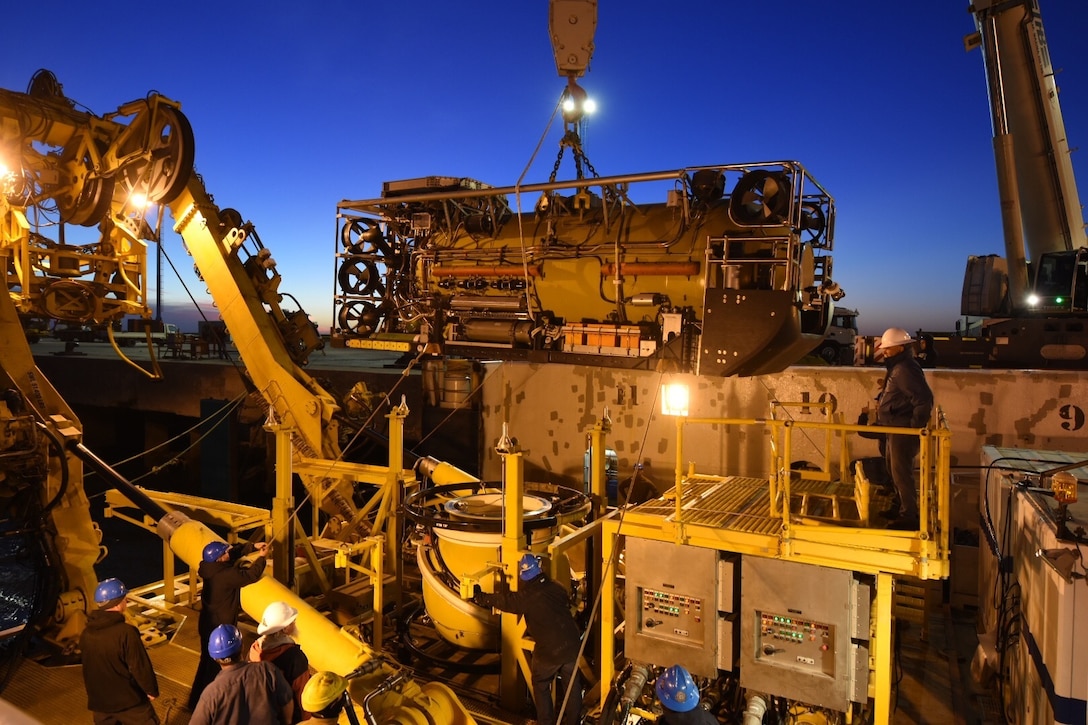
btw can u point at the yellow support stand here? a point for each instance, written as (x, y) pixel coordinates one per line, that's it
(513, 546)
(882, 650)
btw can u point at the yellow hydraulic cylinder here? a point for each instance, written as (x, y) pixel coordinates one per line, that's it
(327, 646)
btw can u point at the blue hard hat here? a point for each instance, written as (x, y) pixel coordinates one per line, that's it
(108, 590)
(225, 641)
(676, 689)
(528, 568)
(214, 550)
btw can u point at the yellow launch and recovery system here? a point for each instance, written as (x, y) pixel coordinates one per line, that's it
(121, 172)
(700, 253)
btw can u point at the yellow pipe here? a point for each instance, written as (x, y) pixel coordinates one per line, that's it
(610, 534)
(444, 474)
(513, 544)
(327, 646)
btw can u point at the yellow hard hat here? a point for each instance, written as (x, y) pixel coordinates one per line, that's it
(322, 690)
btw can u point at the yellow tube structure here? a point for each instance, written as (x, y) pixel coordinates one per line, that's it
(327, 646)
(442, 473)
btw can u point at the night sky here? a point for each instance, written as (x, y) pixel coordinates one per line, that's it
(298, 106)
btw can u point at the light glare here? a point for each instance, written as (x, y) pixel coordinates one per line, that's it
(675, 399)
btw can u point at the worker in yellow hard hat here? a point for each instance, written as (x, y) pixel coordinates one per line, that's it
(324, 697)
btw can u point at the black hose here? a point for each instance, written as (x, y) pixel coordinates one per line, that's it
(349, 709)
(58, 445)
(609, 710)
(122, 484)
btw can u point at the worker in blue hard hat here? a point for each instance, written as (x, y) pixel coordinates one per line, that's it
(244, 692)
(545, 604)
(121, 683)
(224, 569)
(679, 697)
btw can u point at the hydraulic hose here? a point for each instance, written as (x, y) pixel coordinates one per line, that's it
(386, 686)
(617, 706)
(753, 714)
(55, 440)
(122, 484)
(632, 689)
(349, 709)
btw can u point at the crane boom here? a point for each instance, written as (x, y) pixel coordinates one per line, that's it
(1029, 305)
(1029, 132)
(572, 24)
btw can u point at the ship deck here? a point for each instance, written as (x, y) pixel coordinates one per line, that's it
(934, 683)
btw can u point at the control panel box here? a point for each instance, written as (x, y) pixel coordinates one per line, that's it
(680, 606)
(804, 632)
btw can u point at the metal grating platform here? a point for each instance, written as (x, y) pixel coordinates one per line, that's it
(742, 503)
(55, 695)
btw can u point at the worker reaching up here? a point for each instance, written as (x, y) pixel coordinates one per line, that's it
(225, 570)
(545, 605)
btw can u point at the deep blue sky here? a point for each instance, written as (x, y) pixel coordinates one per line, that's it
(296, 106)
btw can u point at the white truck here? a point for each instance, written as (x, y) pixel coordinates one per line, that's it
(837, 347)
(161, 333)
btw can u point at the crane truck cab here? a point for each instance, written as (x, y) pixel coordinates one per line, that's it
(837, 347)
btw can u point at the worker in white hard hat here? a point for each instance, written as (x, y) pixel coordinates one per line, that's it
(276, 644)
(905, 402)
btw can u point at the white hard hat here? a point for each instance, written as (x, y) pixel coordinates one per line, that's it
(277, 616)
(894, 336)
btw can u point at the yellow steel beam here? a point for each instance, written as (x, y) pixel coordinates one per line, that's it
(882, 650)
(513, 545)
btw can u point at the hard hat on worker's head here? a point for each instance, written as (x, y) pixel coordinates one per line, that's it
(109, 593)
(225, 641)
(214, 550)
(322, 690)
(894, 336)
(277, 617)
(528, 568)
(676, 689)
